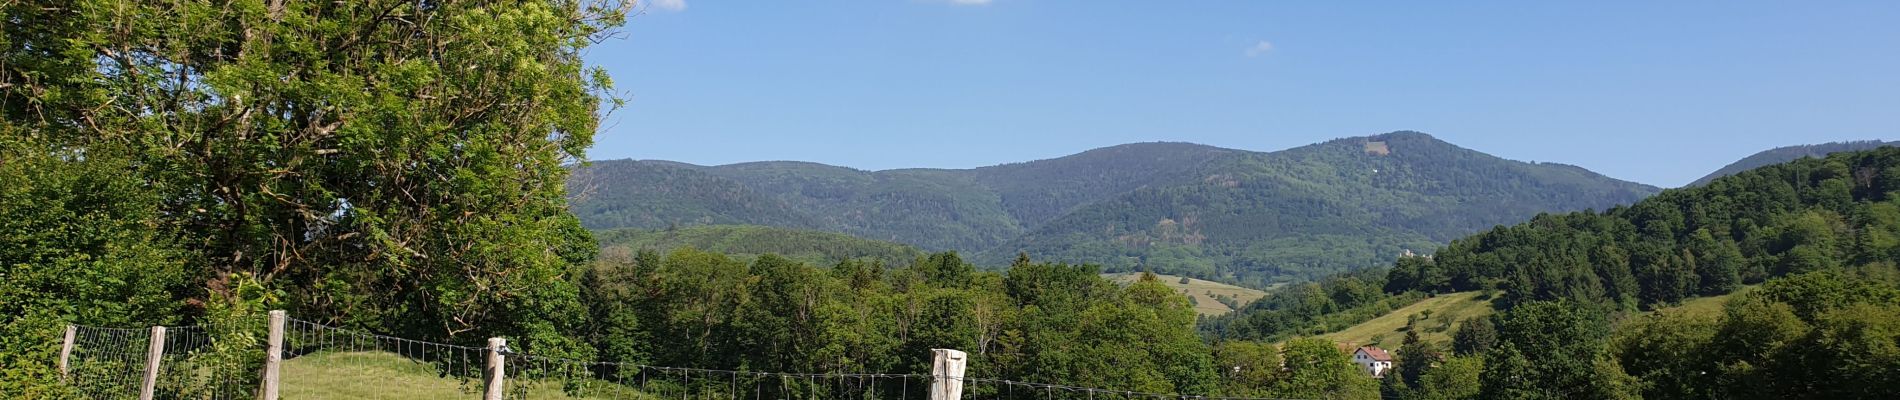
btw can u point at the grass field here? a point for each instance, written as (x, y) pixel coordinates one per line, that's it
(1201, 291)
(1707, 305)
(1388, 330)
(381, 375)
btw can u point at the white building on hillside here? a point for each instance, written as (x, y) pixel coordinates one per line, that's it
(1375, 360)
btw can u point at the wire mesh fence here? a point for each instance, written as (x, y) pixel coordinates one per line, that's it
(112, 363)
(322, 361)
(531, 377)
(108, 363)
(210, 362)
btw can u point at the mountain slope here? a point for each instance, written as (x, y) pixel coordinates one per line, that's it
(1202, 211)
(652, 195)
(815, 247)
(1785, 154)
(1038, 191)
(1316, 210)
(1840, 213)
(1801, 216)
(936, 209)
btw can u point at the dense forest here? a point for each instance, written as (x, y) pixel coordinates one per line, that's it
(1808, 215)
(393, 166)
(1785, 154)
(748, 241)
(1040, 322)
(403, 168)
(933, 209)
(1206, 212)
(1816, 238)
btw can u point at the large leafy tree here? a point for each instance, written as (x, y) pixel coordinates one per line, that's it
(385, 163)
(1550, 350)
(1316, 369)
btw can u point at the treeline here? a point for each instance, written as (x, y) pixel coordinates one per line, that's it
(1311, 308)
(1808, 215)
(198, 161)
(1039, 322)
(1309, 212)
(1818, 335)
(747, 241)
(1817, 235)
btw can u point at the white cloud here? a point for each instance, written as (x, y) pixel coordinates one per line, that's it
(1259, 48)
(970, 2)
(668, 5)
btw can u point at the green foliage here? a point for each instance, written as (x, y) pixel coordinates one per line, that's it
(1785, 154)
(390, 165)
(1311, 308)
(1415, 357)
(1808, 215)
(748, 241)
(1284, 216)
(1551, 350)
(1316, 369)
(1475, 337)
(1825, 334)
(1248, 369)
(1312, 211)
(1454, 379)
(77, 246)
(1039, 321)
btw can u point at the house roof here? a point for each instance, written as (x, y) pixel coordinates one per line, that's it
(1377, 354)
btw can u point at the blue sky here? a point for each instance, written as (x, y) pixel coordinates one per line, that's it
(1653, 92)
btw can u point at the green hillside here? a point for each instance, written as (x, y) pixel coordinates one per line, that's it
(654, 195)
(820, 248)
(383, 375)
(1436, 317)
(1803, 216)
(1207, 297)
(1186, 209)
(1785, 154)
(1317, 210)
(1808, 215)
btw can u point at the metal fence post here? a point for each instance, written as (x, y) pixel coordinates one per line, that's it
(152, 357)
(496, 369)
(946, 372)
(273, 357)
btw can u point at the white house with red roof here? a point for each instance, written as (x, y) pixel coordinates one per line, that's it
(1374, 360)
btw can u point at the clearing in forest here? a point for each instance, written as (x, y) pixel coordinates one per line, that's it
(1447, 312)
(1203, 293)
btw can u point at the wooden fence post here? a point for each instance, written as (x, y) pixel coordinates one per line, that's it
(66, 351)
(946, 371)
(155, 354)
(273, 356)
(495, 369)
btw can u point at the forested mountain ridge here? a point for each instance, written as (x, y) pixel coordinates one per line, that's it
(748, 241)
(1317, 210)
(1807, 215)
(1785, 154)
(1203, 211)
(937, 209)
(1584, 298)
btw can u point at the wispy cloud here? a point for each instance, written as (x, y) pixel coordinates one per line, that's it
(970, 2)
(1259, 49)
(668, 5)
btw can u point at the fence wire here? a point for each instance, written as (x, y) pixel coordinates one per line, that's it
(322, 361)
(110, 363)
(326, 362)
